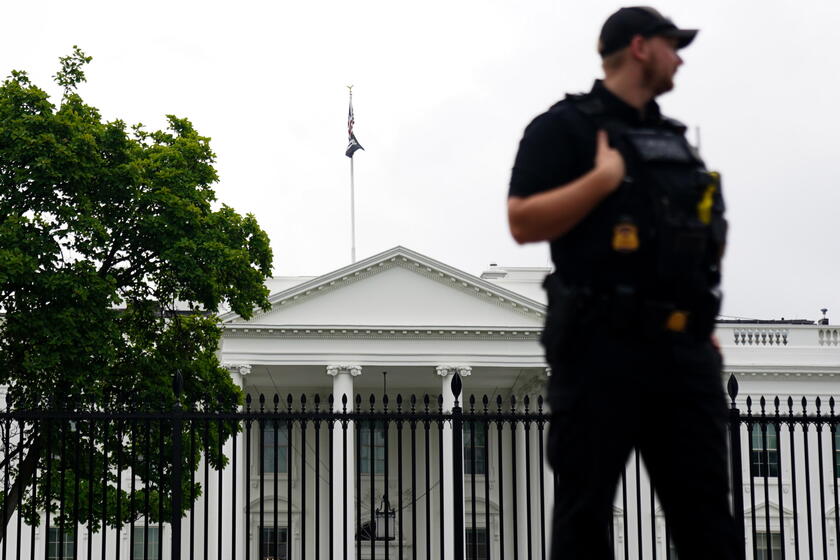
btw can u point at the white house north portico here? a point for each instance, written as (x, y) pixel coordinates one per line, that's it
(421, 321)
(401, 312)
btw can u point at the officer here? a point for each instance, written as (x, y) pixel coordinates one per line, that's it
(635, 223)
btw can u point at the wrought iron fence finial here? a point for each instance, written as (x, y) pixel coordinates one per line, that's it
(732, 389)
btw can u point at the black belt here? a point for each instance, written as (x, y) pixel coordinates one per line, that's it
(626, 311)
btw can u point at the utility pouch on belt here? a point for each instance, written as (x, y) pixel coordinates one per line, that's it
(564, 309)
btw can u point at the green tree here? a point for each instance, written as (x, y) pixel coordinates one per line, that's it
(114, 259)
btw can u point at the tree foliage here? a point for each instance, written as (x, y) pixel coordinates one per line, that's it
(114, 259)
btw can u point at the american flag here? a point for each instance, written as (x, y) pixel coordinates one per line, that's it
(352, 143)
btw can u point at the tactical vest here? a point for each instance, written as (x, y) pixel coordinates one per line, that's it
(661, 234)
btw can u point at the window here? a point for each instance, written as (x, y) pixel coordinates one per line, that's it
(273, 543)
(372, 444)
(475, 440)
(137, 552)
(480, 551)
(761, 545)
(764, 461)
(53, 545)
(837, 451)
(270, 445)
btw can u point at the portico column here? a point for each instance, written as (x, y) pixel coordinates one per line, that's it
(343, 464)
(239, 476)
(548, 475)
(447, 476)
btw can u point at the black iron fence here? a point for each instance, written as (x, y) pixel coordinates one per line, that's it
(409, 478)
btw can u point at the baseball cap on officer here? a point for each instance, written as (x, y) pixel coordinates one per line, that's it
(626, 23)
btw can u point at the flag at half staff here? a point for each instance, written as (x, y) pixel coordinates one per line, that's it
(352, 143)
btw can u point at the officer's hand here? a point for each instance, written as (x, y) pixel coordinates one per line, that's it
(608, 162)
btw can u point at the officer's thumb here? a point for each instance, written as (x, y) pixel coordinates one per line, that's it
(602, 141)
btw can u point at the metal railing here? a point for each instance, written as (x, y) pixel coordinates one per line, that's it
(308, 478)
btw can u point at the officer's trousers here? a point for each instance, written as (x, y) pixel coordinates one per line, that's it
(610, 393)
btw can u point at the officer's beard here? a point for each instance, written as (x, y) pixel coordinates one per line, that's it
(656, 78)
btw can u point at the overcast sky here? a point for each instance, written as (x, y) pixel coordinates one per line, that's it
(443, 90)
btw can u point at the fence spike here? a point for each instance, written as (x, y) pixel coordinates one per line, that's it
(399, 402)
(539, 403)
(472, 403)
(440, 403)
(818, 402)
(262, 402)
(749, 405)
(317, 401)
(358, 402)
(732, 389)
(831, 405)
(513, 403)
(344, 402)
(372, 402)
(385, 402)
(413, 402)
(804, 404)
(762, 401)
(248, 402)
(456, 386)
(526, 401)
(331, 401)
(499, 403)
(790, 406)
(302, 402)
(485, 400)
(776, 405)
(426, 402)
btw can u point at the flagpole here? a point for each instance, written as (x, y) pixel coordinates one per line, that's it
(352, 146)
(352, 214)
(352, 199)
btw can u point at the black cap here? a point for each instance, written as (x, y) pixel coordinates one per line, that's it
(626, 23)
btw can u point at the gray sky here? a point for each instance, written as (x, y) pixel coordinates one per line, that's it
(443, 90)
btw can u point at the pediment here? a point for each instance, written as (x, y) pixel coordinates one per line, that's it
(398, 288)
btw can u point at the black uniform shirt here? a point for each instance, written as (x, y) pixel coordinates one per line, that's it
(557, 147)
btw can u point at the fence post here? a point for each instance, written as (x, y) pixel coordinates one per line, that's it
(735, 458)
(177, 423)
(458, 469)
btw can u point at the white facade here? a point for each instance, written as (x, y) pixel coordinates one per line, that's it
(421, 321)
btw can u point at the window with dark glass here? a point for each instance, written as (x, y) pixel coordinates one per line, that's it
(774, 543)
(140, 552)
(371, 445)
(837, 451)
(275, 447)
(764, 461)
(274, 543)
(475, 440)
(479, 551)
(57, 550)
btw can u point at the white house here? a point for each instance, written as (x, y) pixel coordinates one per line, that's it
(309, 493)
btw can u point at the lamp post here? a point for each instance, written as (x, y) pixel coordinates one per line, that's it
(384, 519)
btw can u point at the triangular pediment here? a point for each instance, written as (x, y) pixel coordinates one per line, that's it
(398, 288)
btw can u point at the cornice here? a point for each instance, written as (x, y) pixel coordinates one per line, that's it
(776, 372)
(409, 260)
(245, 330)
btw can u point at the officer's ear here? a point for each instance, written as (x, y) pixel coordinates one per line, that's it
(639, 48)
